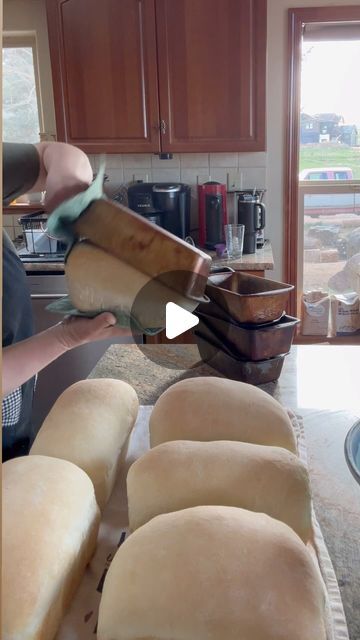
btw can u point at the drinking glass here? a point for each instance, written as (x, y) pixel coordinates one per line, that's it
(234, 237)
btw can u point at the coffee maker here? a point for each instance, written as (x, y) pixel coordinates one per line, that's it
(251, 213)
(163, 203)
(212, 213)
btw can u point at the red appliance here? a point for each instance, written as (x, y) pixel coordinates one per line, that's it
(212, 213)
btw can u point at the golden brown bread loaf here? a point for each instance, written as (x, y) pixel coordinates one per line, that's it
(50, 525)
(208, 408)
(180, 474)
(98, 281)
(89, 425)
(213, 573)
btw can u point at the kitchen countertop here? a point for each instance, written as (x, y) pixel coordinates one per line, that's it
(320, 384)
(262, 260)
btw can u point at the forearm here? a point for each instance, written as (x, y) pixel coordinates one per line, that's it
(24, 359)
(21, 361)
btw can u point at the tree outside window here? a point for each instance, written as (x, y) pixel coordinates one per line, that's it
(21, 120)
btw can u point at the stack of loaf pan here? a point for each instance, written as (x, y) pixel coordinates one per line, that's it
(244, 332)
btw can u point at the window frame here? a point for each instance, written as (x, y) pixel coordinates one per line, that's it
(297, 19)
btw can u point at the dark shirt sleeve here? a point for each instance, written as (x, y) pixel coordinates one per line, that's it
(21, 166)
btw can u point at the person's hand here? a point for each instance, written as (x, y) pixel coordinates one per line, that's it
(75, 330)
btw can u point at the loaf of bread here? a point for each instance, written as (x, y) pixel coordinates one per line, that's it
(180, 474)
(99, 281)
(50, 525)
(220, 409)
(211, 572)
(89, 425)
(145, 246)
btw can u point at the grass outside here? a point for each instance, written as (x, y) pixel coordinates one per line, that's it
(330, 155)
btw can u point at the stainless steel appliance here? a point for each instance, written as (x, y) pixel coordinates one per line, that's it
(164, 203)
(251, 213)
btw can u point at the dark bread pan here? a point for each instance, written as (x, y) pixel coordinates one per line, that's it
(247, 298)
(254, 342)
(219, 357)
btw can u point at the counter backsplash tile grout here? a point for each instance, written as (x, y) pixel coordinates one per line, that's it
(237, 170)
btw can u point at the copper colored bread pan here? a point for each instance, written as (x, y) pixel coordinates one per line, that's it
(247, 298)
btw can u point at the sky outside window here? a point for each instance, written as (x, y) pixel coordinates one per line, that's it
(330, 79)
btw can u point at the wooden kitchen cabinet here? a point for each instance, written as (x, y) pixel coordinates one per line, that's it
(159, 75)
(103, 57)
(211, 56)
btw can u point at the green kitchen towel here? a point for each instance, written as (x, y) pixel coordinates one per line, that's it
(62, 218)
(124, 320)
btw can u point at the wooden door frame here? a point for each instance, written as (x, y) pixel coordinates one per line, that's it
(296, 19)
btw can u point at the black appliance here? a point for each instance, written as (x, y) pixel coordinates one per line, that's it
(251, 213)
(164, 203)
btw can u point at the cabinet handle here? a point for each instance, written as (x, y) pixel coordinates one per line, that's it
(162, 127)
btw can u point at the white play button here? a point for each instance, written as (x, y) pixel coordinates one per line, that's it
(178, 320)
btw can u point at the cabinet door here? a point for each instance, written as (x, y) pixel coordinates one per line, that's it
(211, 56)
(103, 56)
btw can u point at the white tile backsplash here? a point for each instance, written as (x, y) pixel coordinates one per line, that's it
(254, 177)
(114, 161)
(94, 161)
(115, 177)
(254, 159)
(194, 176)
(236, 179)
(189, 160)
(166, 175)
(219, 175)
(157, 163)
(136, 160)
(224, 159)
(138, 174)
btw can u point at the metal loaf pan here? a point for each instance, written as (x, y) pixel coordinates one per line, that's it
(248, 371)
(145, 246)
(247, 298)
(255, 342)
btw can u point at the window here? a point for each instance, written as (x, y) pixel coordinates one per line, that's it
(322, 232)
(22, 116)
(341, 175)
(317, 176)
